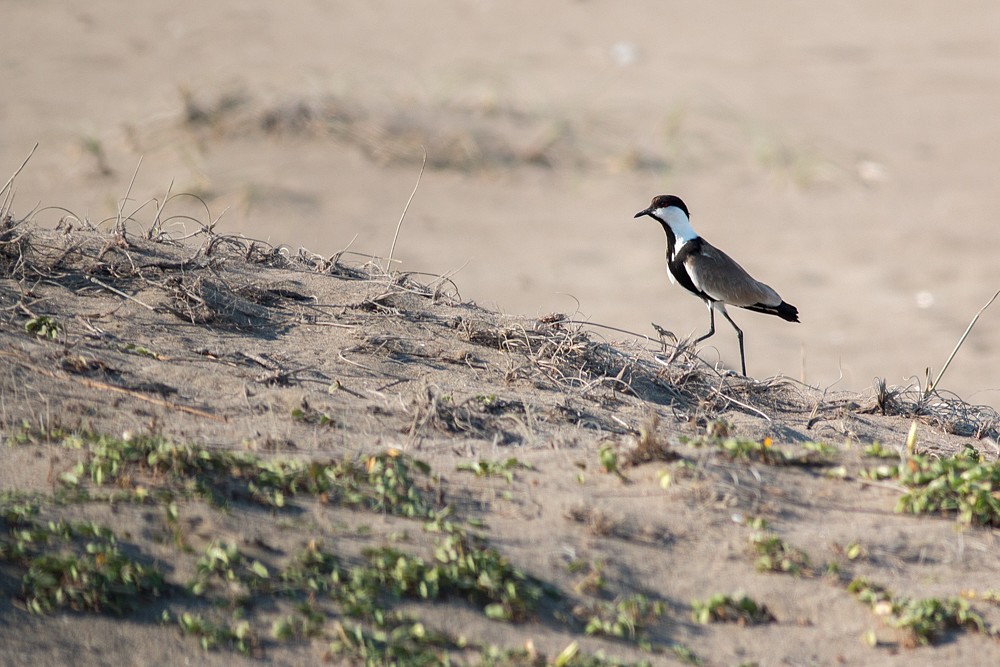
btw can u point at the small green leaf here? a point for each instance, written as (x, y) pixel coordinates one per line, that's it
(496, 612)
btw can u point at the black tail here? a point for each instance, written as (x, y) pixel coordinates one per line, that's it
(785, 311)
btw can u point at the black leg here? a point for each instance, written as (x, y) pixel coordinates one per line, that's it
(711, 325)
(739, 335)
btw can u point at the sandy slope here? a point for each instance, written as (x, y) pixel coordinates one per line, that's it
(232, 347)
(844, 153)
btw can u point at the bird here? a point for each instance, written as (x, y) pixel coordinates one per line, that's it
(710, 274)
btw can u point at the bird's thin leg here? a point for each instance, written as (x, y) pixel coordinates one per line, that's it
(711, 325)
(739, 335)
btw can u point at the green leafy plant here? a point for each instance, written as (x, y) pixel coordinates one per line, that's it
(25, 433)
(685, 654)
(503, 469)
(151, 469)
(43, 326)
(463, 568)
(222, 561)
(75, 566)
(401, 642)
(307, 623)
(570, 656)
(211, 634)
(881, 471)
(775, 555)
(737, 608)
(924, 621)
(313, 570)
(877, 450)
(742, 449)
(962, 484)
(382, 482)
(623, 617)
(608, 457)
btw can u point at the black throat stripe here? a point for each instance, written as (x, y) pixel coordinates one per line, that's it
(675, 264)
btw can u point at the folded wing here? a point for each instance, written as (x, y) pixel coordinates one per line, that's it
(719, 276)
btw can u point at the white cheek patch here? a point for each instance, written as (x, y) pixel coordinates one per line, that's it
(679, 224)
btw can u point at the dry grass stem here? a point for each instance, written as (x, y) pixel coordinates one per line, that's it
(931, 386)
(399, 225)
(5, 190)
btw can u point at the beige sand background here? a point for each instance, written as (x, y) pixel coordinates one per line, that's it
(845, 153)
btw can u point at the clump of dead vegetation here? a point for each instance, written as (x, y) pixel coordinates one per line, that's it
(203, 277)
(167, 257)
(939, 409)
(222, 281)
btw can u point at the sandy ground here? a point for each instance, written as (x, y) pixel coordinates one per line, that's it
(232, 348)
(845, 154)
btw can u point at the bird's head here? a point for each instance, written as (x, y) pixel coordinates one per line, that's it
(665, 207)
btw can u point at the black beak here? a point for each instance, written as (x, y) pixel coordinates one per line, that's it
(642, 213)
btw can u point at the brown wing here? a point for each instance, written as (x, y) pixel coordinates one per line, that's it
(719, 276)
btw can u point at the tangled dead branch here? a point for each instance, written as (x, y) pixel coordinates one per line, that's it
(225, 281)
(949, 413)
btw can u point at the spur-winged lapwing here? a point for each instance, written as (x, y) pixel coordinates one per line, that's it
(710, 274)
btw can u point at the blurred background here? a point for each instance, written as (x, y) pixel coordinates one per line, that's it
(845, 153)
